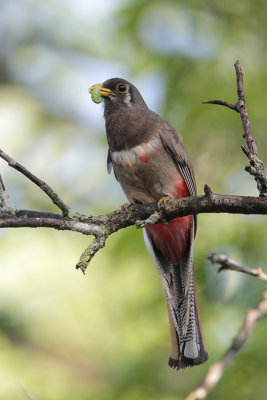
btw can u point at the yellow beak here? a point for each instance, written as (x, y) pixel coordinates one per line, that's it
(97, 91)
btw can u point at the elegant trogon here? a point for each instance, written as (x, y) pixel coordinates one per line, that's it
(150, 162)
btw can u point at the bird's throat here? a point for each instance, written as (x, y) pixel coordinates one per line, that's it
(126, 128)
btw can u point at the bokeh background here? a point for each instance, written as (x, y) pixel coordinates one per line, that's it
(105, 335)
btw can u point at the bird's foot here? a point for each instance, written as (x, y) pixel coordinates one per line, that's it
(163, 201)
(124, 206)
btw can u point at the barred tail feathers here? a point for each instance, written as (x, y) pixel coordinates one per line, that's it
(187, 345)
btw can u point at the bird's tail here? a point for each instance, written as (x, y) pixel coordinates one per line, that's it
(187, 345)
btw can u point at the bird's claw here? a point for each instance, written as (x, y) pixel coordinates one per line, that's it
(163, 201)
(124, 206)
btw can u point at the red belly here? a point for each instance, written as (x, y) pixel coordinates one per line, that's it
(171, 238)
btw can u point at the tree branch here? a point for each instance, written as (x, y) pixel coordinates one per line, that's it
(103, 226)
(118, 219)
(41, 184)
(253, 315)
(256, 167)
(216, 371)
(227, 263)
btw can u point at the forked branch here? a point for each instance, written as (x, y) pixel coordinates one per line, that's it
(41, 184)
(256, 167)
(253, 315)
(228, 264)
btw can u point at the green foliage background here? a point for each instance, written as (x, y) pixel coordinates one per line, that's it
(105, 336)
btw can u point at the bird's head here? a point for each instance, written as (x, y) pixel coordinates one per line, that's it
(117, 93)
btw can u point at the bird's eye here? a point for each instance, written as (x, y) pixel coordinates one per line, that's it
(122, 88)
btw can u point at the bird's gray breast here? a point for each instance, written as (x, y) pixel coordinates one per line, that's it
(132, 159)
(135, 170)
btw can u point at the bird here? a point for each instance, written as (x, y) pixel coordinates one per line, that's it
(151, 165)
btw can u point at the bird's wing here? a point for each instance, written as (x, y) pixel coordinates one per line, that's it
(175, 148)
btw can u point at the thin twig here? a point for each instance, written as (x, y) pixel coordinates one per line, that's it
(216, 371)
(256, 168)
(2, 193)
(223, 103)
(252, 146)
(41, 184)
(152, 219)
(228, 264)
(6, 206)
(97, 244)
(25, 394)
(2, 186)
